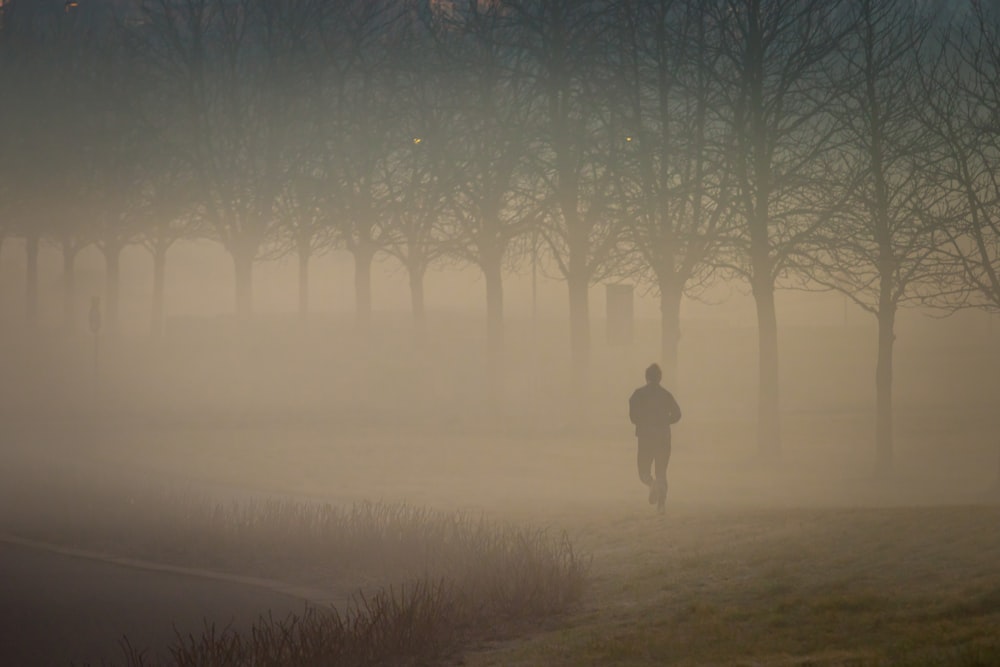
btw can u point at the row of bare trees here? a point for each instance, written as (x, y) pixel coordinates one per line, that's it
(848, 145)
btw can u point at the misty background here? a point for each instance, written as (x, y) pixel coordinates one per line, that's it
(401, 217)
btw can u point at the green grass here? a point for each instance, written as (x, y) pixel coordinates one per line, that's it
(867, 587)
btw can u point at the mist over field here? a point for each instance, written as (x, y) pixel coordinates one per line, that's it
(362, 332)
(315, 409)
(218, 412)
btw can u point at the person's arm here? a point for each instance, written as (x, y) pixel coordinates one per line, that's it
(675, 409)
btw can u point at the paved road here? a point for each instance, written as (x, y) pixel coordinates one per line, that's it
(58, 609)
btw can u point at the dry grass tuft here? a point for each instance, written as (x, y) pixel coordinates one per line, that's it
(463, 577)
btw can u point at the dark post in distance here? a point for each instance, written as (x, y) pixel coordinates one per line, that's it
(95, 328)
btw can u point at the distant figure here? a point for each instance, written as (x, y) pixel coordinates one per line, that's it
(653, 409)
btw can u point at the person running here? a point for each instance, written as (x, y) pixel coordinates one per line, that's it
(653, 409)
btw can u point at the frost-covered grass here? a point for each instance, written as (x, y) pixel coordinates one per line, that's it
(870, 587)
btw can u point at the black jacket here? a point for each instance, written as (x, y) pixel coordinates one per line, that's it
(653, 409)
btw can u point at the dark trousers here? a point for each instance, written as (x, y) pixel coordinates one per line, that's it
(654, 452)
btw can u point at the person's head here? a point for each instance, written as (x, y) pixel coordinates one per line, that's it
(653, 374)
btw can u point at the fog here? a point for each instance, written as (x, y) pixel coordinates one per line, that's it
(316, 298)
(214, 411)
(314, 410)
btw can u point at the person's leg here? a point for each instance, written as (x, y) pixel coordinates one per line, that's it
(660, 461)
(644, 461)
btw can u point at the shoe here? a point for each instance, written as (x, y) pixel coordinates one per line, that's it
(654, 493)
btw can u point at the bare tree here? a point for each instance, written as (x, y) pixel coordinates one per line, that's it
(568, 61)
(100, 160)
(166, 214)
(163, 202)
(114, 144)
(236, 69)
(771, 59)
(8, 135)
(962, 110)
(304, 227)
(419, 178)
(490, 207)
(419, 170)
(362, 45)
(70, 241)
(41, 53)
(881, 249)
(962, 93)
(676, 188)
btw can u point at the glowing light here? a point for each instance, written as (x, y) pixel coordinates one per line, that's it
(628, 139)
(70, 5)
(417, 141)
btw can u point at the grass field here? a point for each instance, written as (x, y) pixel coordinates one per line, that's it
(781, 587)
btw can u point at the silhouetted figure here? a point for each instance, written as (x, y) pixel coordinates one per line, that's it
(653, 409)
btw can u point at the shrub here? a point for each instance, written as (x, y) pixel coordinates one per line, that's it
(463, 577)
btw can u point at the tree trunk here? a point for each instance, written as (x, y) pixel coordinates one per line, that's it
(112, 286)
(31, 282)
(758, 196)
(579, 318)
(493, 275)
(69, 286)
(363, 256)
(670, 329)
(243, 272)
(303, 284)
(883, 387)
(768, 419)
(416, 275)
(159, 290)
